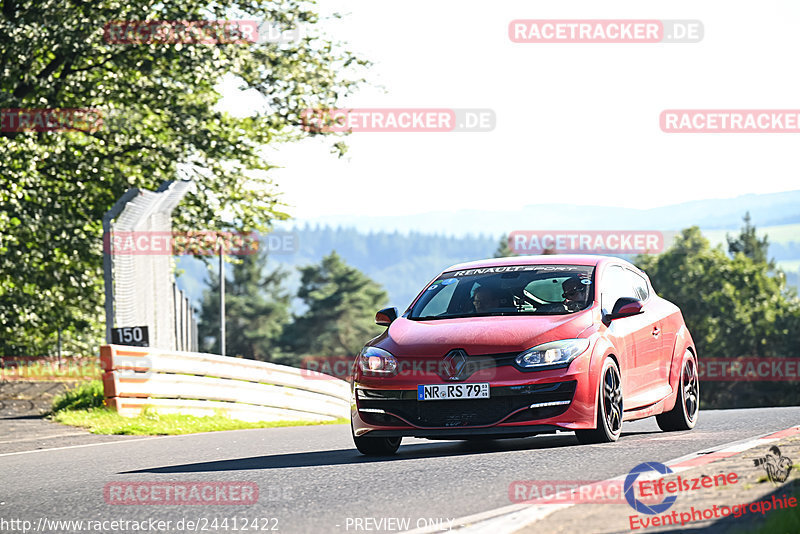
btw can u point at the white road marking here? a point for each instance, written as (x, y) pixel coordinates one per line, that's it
(90, 445)
(48, 436)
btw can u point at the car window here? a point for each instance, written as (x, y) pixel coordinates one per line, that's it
(639, 285)
(507, 290)
(616, 284)
(437, 305)
(548, 289)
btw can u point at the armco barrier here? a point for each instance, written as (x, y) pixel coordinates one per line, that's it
(203, 384)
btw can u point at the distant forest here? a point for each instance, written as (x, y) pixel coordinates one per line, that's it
(401, 263)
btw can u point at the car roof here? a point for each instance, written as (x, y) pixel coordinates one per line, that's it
(547, 259)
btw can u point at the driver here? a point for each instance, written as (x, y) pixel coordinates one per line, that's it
(575, 293)
(485, 299)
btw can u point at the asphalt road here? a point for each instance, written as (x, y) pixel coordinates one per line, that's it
(313, 480)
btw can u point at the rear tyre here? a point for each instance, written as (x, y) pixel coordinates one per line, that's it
(376, 446)
(687, 406)
(609, 408)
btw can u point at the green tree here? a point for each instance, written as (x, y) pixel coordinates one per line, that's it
(734, 307)
(503, 250)
(340, 304)
(159, 111)
(731, 305)
(748, 243)
(256, 309)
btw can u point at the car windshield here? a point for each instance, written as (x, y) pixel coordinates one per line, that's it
(507, 290)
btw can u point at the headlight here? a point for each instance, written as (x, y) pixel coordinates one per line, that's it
(553, 353)
(375, 361)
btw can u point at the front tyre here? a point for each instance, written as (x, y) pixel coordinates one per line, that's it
(376, 446)
(609, 408)
(687, 406)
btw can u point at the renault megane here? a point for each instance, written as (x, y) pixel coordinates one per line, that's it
(514, 347)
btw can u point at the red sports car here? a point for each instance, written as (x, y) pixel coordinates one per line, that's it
(519, 346)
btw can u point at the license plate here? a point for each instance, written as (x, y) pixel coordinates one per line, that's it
(453, 391)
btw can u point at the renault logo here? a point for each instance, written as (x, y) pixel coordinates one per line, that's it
(453, 364)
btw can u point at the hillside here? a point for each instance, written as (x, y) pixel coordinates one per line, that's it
(403, 263)
(713, 214)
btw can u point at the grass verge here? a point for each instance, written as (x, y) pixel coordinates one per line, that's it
(83, 407)
(783, 521)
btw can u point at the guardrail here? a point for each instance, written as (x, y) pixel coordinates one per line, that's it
(204, 384)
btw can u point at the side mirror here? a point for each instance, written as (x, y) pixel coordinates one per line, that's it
(386, 316)
(625, 307)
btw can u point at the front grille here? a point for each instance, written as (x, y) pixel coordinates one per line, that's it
(417, 366)
(466, 412)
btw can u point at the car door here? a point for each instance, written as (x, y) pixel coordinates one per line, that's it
(651, 354)
(633, 335)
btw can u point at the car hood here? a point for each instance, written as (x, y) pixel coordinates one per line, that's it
(480, 335)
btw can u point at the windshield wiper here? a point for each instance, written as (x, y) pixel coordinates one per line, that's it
(432, 317)
(465, 315)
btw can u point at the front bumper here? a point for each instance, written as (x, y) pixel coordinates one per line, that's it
(506, 404)
(520, 404)
(469, 433)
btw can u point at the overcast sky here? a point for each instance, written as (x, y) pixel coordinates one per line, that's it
(576, 123)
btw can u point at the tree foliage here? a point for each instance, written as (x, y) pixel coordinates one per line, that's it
(733, 306)
(340, 304)
(340, 311)
(256, 311)
(503, 250)
(159, 108)
(749, 244)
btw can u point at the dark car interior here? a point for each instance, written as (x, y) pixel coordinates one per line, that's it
(511, 293)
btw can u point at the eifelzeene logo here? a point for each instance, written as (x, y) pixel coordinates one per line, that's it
(775, 464)
(630, 495)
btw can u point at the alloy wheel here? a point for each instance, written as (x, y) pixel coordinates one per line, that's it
(691, 389)
(612, 399)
